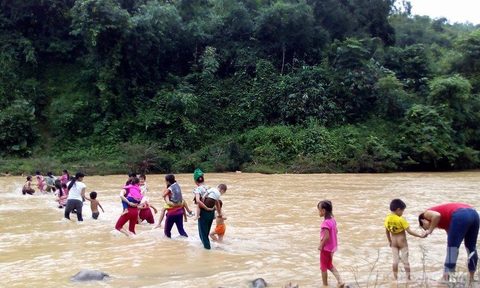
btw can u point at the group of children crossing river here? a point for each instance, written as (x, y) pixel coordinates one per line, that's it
(459, 220)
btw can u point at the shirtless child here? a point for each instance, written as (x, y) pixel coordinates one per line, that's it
(395, 227)
(94, 204)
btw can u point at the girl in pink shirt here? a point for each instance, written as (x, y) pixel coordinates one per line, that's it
(328, 242)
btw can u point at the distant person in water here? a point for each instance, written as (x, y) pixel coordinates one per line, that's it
(40, 181)
(27, 187)
(328, 242)
(76, 196)
(65, 177)
(461, 222)
(50, 182)
(143, 185)
(94, 204)
(62, 195)
(395, 227)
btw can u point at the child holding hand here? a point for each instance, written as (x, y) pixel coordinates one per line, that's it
(395, 227)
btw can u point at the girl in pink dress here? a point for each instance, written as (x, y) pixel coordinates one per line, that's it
(328, 242)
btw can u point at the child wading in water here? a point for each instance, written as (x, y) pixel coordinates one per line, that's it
(94, 204)
(219, 232)
(328, 242)
(395, 227)
(27, 187)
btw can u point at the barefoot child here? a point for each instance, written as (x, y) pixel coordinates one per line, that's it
(94, 204)
(395, 227)
(328, 242)
(219, 232)
(173, 198)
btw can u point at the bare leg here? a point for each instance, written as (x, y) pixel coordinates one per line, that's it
(125, 211)
(197, 214)
(213, 235)
(220, 238)
(396, 259)
(162, 215)
(125, 231)
(325, 278)
(337, 276)
(185, 205)
(404, 259)
(184, 214)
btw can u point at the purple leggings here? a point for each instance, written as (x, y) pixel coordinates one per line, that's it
(177, 219)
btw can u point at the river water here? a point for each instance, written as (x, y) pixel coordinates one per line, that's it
(272, 232)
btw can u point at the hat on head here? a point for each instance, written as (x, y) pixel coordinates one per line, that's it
(197, 174)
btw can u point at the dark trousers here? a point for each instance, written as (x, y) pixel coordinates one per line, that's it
(74, 204)
(178, 221)
(204, 225)
(463, 227)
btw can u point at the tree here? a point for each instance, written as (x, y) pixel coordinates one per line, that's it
(288, 28)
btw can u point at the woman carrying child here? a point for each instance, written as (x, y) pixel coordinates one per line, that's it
(173, 198)
(131, 196)
(206, 205)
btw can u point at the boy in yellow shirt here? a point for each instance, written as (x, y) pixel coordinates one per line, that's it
(395, 227)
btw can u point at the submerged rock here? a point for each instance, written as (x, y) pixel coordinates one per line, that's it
(89, 275)
(259, 283)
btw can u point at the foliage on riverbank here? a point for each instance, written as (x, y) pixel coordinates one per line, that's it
(107, 86)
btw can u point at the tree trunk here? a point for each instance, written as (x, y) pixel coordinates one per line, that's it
(283, 58)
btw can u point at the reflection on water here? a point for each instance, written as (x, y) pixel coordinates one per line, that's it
(272, 232)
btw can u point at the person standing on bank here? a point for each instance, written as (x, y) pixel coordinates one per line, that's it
(206, 206)
(76, 196)
(461, 222)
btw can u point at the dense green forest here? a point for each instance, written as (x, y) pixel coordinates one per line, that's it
(296, 86)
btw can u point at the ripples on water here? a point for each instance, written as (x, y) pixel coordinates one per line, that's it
(272, 232)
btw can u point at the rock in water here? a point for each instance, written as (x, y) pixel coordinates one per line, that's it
(259, 283)
(89, 275)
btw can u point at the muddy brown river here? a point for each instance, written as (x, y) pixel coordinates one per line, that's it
(272, 232)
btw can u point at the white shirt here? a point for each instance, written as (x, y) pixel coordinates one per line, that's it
(76, 191)
(213, 193)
